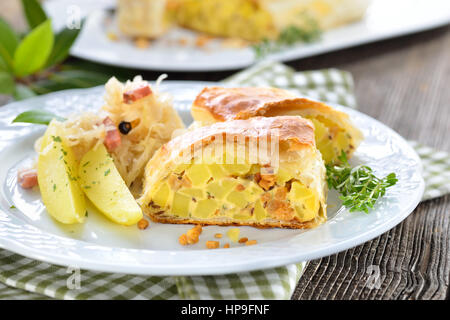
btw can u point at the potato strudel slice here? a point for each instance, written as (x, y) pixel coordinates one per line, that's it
(262, 172)
(334, 131)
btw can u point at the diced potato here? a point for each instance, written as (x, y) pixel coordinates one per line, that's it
(161, 195)
(299, 191)
(103, 185)
(196, 193)
(238, 199)
(215, 189)
(259, 212)
(198, 174)
(304, 214)
(57, 177)
(217, 171)
(233, 234)
(326, 149)
(205, 208)
(229, 184)
(180, 204)
(283, 176)
(237, 169)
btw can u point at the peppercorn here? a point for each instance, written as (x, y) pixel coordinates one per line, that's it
(124, 127)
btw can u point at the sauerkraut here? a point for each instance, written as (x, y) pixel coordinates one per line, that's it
(153, 121)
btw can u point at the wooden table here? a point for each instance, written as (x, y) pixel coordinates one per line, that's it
(405, 83)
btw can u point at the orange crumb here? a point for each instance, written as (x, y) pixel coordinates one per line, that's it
(199, 228)
(182, 41)
(112, 36)
(142, 43)
(212, 244)
(142, 224)
(202, 40)
(226, 245)
(250, 242)
(183, 240)
(243, 240)
(192, 236)
(218, 235)
(240, 187)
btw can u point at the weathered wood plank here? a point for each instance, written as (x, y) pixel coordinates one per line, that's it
(404, 83)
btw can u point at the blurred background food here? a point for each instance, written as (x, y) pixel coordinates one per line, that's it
(252, 20)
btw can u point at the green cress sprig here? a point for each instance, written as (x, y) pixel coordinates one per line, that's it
(358, 186)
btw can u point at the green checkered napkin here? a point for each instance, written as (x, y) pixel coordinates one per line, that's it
(24, 278)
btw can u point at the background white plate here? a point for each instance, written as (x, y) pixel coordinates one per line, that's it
(102, 245)
(384, 19)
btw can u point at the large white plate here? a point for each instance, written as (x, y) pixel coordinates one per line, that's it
(102, 245)
(384, 19)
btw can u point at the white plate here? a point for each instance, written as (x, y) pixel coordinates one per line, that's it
(102, 245)
(384, 19)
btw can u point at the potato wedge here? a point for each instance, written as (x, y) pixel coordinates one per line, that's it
(57, 177)
(103, 185)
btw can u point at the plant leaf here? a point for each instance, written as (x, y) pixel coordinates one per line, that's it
(34, 13)
(63, 42)
(22, 92)
(37, 117)
(8, 44)
(33, 51)
(6, 83)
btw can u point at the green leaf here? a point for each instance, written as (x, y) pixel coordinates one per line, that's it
(63, 42)
(7, 84)
(34, 50)
(8, 44)
(37, 117)
(34, 13)
(22, 92)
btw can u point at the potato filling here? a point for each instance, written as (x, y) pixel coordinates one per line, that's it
(234, 191)
(249, 21)
(330, 139)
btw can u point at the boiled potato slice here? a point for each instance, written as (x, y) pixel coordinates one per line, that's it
(103, 185)
(57, 177)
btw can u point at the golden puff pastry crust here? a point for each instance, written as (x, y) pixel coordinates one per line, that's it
(288, 192)
(335, 132)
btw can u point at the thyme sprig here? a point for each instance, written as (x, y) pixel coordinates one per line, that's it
(358, 186)
(288, 37)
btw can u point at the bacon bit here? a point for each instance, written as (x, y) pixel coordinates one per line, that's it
(142, 224)
(226, 245)
(218, 235)
(185, 182)
(266, 197)
(281, 193)
(183, 240)
(251, 242)
(142, 43)
(27, 178)
(212, 244)
(199, 228)
(174, 182)
(281, 210)
(193, 234)
(267, 181)
(136, 94)
(243, 240)
(240, 187)
(112, 138)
